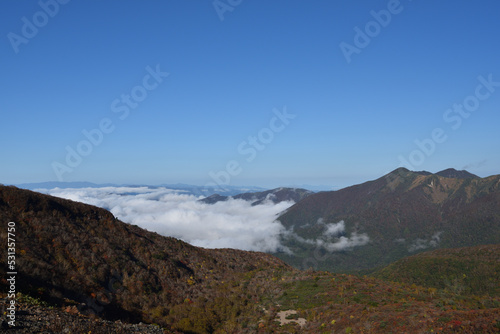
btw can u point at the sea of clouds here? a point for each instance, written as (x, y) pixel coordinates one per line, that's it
(229, 224)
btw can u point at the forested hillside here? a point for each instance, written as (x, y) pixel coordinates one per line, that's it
(403, 213)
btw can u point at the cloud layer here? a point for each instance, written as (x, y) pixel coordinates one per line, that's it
(419, 244)
(333, 238)
(232, 224)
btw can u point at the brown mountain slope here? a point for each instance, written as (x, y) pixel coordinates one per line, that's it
(399, 214)
(72, 251)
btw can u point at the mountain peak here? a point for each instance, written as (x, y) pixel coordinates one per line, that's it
(414, 211)
(402, 171)
(456, 174)
(448, 173)
(398, 175)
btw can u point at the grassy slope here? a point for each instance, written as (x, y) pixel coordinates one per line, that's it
(471, 270)
(336, 303)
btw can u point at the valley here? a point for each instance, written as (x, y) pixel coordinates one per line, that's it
(86, 270)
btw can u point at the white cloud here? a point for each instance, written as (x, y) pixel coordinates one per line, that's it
(233, 223)
(334, 229)
(419, 244)
(330, 239)
(343, 243)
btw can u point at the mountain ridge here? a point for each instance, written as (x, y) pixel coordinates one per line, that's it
(399, 213)
(456, 174)
(275, 196)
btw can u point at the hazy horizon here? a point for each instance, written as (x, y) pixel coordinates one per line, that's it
(252, 187)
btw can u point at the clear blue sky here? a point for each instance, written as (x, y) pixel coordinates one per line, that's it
(69, 66)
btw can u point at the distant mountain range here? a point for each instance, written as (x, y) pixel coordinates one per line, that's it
(275, 196)
(225, 190)
(402, 213)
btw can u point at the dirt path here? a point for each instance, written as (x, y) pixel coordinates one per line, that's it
(283, 320)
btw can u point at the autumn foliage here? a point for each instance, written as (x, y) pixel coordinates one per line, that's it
(83, 261)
